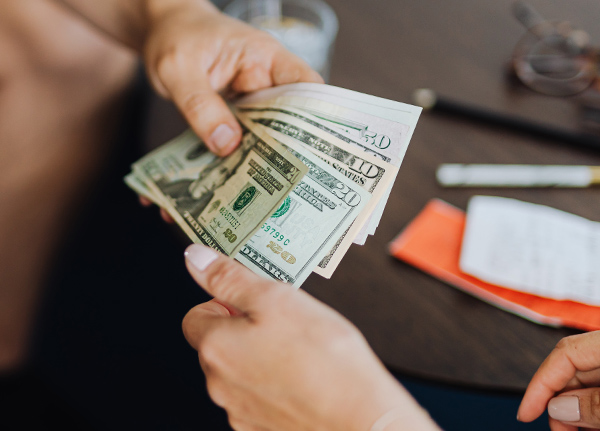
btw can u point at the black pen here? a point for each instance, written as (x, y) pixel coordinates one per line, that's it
(429, 100)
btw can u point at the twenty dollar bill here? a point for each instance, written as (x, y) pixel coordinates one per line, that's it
(221, 202)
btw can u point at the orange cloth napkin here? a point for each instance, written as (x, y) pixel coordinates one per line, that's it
(432, 242)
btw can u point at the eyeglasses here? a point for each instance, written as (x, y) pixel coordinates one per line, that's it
(553, 58)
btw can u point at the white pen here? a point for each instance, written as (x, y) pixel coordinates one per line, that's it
(476, 175)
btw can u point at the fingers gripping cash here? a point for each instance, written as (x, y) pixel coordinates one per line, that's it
(285, 224)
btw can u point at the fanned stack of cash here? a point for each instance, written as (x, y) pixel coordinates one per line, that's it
(312, 175)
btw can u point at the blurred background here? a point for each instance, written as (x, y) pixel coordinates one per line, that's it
(108, 349)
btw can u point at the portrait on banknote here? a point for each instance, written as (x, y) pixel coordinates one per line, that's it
(194, 194)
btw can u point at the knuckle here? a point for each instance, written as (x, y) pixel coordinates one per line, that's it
(263, 41)
(196, 102)
(210, 352)
(226, 277)
(223, 275)
(595, 407)
(277, 299)
(344, 338)
(237, 424)
(288, 75)
(347, 334)
(168, 63)
(565, 343)
(217, 392)
(187, 325)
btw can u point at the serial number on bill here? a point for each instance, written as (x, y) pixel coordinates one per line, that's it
(275, 234)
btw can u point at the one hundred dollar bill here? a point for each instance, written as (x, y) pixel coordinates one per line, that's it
(221, 202)
(311, 220)
(368, 172)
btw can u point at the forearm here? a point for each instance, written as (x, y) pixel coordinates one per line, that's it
(129, 21)
(406, 419)
(403, 414)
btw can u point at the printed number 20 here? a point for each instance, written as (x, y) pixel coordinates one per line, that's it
(350, 197)
(229, 235)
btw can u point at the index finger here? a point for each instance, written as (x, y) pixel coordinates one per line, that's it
(201, 105)
(571, 354)
(198, 321)
(288, 68)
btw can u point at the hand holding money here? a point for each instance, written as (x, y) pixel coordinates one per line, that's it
(309, 179)
(192, 57)
(287, 361)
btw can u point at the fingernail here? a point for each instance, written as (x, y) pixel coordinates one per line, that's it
(222, 137)
(200, 256)
(564, 409)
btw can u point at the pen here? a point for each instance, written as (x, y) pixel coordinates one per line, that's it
(429, 100)
(475, 175)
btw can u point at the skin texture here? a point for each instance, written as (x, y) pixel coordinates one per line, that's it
(571, 369)
(61, 88)
(277, 359)
(85, 52)
(194, 54)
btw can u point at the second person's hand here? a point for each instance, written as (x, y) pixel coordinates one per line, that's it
(568, 385)
(277, 359)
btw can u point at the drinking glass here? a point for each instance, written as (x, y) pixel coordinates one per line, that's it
(305, 27)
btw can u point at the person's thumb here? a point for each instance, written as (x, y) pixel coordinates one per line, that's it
(228, 281)
(579, 408)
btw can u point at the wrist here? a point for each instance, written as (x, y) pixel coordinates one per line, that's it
(390, 407)
(376, 404)
(403, 418)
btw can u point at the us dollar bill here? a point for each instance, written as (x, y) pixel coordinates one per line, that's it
(385, 138)
(379, 126)
(221, 202)
(398, 112)
(337, 121)
(311, 220)
(381, 137)
(368, 172)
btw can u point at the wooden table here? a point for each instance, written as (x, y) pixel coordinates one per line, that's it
(415, 323)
